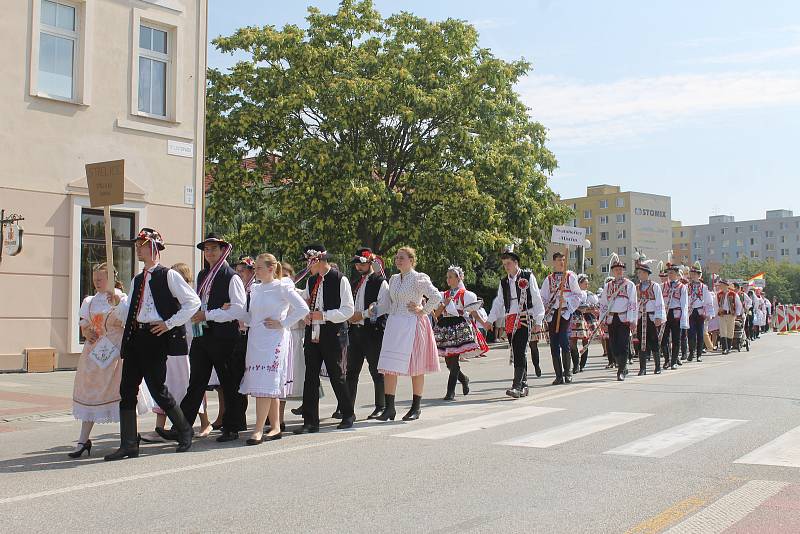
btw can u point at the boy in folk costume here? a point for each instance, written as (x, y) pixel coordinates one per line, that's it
(651, 316)
(700, 308)
(161, 302)
(619, 307)
(561, 297)
(519, 301)
(676, 303)
(663, 340)
(729, 306)
(366, 335)
(684, 272)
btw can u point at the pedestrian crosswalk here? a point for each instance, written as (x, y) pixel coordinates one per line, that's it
(663, 443)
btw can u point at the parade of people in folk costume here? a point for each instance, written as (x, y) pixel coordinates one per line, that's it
(265, 334)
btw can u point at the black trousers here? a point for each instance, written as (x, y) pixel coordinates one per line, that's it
(619, 337)
(146, 360)
(456, 375)
(696, 331)
(328, 350)
(559, 347)
(648, 342)
(672, 339)
(365, 344)
(534, 354)
(519, 348)
(211, 352)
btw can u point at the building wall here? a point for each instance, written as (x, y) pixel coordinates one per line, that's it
(46, 143)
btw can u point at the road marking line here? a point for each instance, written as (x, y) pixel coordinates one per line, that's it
(478, 423)
(574, 430)
(783, 451)
(729, 509)
(670, 516)
(676, 438)
(162, 472)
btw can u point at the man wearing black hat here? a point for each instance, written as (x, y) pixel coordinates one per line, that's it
(676, 302)
(366, 335)
(619, 307)
(701, 309)
(216, 330)
(161, 303)
(651, 316)
(330, 299)
(519, 302)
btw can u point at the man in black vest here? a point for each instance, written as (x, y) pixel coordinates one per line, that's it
(161, 303)
(517, 286)
(366, 335)
(331, 303)
(216, 330)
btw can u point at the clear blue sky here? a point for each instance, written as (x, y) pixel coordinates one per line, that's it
(696, 100)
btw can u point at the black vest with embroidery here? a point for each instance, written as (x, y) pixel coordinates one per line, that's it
(506, 288)
(371, 291)
(166, 305)
(331, 300)
(218, 297)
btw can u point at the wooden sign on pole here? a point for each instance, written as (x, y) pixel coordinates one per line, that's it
(106, 182)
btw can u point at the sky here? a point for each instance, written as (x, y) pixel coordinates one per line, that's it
(699, 101)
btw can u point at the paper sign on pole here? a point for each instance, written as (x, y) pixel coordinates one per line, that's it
(569, 235)
(106, 181)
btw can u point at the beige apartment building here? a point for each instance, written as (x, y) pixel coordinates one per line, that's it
(621, 222)
(88, 81)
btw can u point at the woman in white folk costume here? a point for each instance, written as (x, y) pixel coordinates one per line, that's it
(700, 308)
(454, 331)
(651, 316)
(409, 347)
(95, 396)
(581, 324)
(275, 306)
(619, 308)
(759, 313)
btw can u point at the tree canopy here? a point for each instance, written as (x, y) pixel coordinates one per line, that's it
(377, 132)
(782, 279)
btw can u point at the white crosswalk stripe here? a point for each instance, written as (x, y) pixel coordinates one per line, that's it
(574, 430)
(783, 451)
(676, 438)
(478, 423)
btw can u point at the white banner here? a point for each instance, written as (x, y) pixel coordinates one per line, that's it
(569, 235)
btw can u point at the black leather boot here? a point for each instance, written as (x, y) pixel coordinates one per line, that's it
(413, 413)
(389, 413)
(380, 402)
(182, 427)
(128, 437)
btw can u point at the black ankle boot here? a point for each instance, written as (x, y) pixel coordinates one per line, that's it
(183, 428)
(413, 413)
(389, 412)
(128, 437)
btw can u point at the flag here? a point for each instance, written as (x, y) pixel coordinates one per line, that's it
(759, 276)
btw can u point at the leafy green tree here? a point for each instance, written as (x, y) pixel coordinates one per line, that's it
(782, 279)
(379, 132)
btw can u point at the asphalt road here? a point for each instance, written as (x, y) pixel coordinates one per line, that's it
(690, 450)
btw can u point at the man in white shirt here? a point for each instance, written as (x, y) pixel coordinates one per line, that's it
(651, 317)
(619, 307)
(728, 307)
(700, 308)
(366, 335)
(160, 305)
(330, 299)
(561, 297)
(518, 286)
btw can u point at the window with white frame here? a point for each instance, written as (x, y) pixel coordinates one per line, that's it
(589, 230)
(604, 269)
(621, 234)
(58, 49)
(769, 233)
(723, 230)
(620, 217)
(620, 202)
(605, 252)
(603, 204)
(603, 236)
(771, 246)
(587, 214)
(754, 228)
(784, 252)
(753, 253)
(154, 61)
(604, 219)
(783, 239)
(622, 251)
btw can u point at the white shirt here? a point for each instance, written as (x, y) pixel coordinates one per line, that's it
(238, 301)
(456, 308)
(408, 288)
(677, 297)
(498, 310)
(182, 291)
(746, 300)
(359, 301)
(346, 306)
(619, 300)
(572, 295)
(656, 305)
(704, 302)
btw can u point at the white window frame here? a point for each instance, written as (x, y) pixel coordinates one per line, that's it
(82, 37)
(603, 204)
(605, 252)
(587, 214)
(172, 26)
(604, 219)
(621, 218)
(139, 210)
(620, 202)
(622, 234)
(622, 251)
(603, 236)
